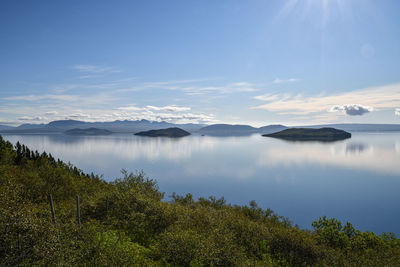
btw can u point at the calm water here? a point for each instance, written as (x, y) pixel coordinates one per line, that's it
(356, 180)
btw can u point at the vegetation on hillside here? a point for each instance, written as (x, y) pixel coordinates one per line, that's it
(168, 132)
(309, 134)
(126, 222)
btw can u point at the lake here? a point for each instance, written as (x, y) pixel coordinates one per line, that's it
(356, 180)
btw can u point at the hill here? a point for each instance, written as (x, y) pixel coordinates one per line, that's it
(169, 132)
(306, 134)
(227, 129)
(87, 131)
(117, 126)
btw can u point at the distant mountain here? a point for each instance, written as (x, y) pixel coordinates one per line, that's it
(169, 132)
(227, 129)
(88, 131)
(272, 128)
(6, 127)
(238, 130)
(30, 126)
(360, 127)
(114, 126)
(127, 126)
(65, 123)
(308, 134)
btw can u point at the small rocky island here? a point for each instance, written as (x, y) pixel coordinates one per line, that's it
(168, 132)
(88, 131)
(308, 134)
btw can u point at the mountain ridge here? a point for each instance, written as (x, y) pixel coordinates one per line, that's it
(127, 126)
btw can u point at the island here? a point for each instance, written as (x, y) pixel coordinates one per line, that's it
(168, 132)
(307, 134)
(88, 131)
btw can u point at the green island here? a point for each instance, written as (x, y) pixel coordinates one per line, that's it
(309, 134)
(128, 222)
(88, 131)
(168, 132)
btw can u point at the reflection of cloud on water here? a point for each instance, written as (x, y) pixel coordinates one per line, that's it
(224, 169)
(125, 147)
(353, 155)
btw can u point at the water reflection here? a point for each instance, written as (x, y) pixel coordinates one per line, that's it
(233, 156)
(377, 156)
(356, 148)
(129, 147)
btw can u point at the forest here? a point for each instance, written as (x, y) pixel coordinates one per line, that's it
(129, 222)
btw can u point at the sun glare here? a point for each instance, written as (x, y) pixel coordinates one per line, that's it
(316, 9)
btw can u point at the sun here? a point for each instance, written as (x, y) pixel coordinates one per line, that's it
(321, 10)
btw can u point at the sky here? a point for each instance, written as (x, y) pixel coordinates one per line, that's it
(254, 62)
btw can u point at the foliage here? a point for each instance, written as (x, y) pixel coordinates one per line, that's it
(127, 222)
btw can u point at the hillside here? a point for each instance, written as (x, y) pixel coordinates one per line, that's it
(127, 222)
(169, 132)
(117, 126)
(87, 131)
(306, 134)
(227, 129)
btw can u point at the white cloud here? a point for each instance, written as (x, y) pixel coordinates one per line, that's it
(61, 100)
(94, 69)
(190, 87)
(290, 80)
(34, 98)
(87, 76)
(383, 97)
(130, 108)
(169, 113)
(164, 116)
(168, 108)
(29, 118)
(80, 116)
(266, 97)
(397, 111)
(50, 113)
(242, 87)
(352, 109)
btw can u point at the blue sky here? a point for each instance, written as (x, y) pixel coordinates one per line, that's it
(255, 62)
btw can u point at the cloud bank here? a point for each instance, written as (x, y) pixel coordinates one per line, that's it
(383, 97)
(169, 113)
